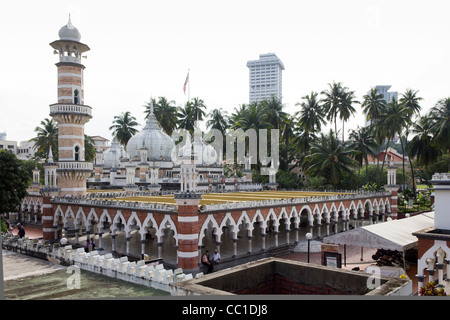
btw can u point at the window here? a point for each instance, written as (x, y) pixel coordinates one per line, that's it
(75, 97)
(77, 153)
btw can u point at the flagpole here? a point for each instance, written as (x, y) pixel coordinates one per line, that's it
(189, 85)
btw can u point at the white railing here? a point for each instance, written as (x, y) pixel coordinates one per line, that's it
(70, 108)
(441, 176)
(75, 165)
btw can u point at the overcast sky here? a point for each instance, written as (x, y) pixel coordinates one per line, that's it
(141, 49)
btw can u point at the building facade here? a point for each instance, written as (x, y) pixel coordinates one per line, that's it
(265, 78)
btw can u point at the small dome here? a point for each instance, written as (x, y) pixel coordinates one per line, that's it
(69, 32)
(158, 143)
(111, 157)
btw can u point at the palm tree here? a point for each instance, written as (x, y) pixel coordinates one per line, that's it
(332, 101)
(165, 112)
(373, 104)
(124, 127)
(89, 148)
(47, 135)
(362, 140)
(310, 116)
(276, 115)
(218, 120)
(421, 145)
(198, 109)
(440, 117)
(346, 109)
(329, 158)
(410, 101)
(392, 120)
(253, 116)
(186, 118)
(236, 116)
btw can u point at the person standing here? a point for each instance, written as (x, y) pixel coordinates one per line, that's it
(206, 262)
(21, 229)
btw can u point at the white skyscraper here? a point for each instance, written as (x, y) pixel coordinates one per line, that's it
(265, 77)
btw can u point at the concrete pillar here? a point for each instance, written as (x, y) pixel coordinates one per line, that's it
(48, 230)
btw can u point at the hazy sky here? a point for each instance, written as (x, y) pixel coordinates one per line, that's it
(141, 49)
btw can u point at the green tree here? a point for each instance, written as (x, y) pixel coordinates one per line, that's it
(362, 140)
(332, 101)
(123, 127)
(275, 114)
(310, 116)
(329, 158)
(89, 148)
(421, 146)
(47, 136)
(198, 109)
(14, 181)
(186, 117)
(373, 104)
(440, 117)
(165, 112)
(411, 102)
(218, 120)
(391, 121)
(346, 109)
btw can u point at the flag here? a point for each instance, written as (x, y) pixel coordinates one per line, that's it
(185, 83)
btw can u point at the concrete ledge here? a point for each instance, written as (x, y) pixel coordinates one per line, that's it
(280, 276)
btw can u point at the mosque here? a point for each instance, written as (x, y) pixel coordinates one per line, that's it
(168, 199)
(151, 159)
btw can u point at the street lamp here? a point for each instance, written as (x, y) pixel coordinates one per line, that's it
(308, 237)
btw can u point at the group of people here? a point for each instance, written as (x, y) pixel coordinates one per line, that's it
(19, 226)
(208, 262)
(90, 245)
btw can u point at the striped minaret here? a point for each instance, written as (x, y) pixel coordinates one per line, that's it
(71, 113)
(188, 231)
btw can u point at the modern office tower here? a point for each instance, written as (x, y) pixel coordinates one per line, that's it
(265, 77)
(388, 95)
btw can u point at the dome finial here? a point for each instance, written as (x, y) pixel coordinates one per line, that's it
(151, 105)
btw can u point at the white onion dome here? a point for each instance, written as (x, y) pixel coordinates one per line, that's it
(69, 32)
(111, 157)
(158, 143)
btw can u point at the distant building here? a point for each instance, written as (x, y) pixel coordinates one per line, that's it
(8, 145)
(100, 143)
(265, 78)
(25, 150)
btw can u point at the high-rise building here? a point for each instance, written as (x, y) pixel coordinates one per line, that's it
(265, 78)
(388, 95)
